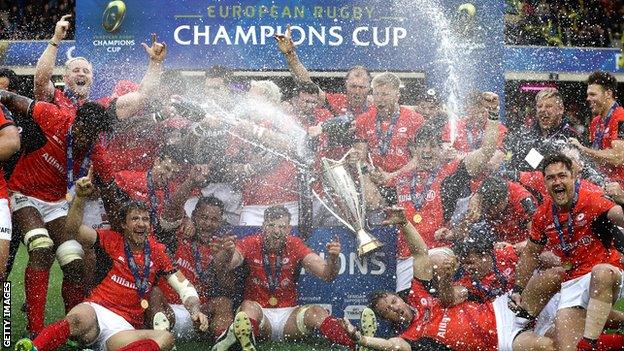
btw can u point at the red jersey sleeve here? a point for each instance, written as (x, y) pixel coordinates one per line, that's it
(300, 248)
(246, 245)
(537, 234)
(600, 204)
(49, 116)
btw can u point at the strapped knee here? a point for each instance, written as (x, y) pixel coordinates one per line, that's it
(301, 320)
(37, 239)
(69, 251)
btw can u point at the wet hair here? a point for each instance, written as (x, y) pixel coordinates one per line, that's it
(132, 206)
(387, 78)
(11, 76)
(218, 71)
(556, 158)
(493, 190)
(357, 71)
(606, 80)
(480, 240)
(306, 87)
(92, 119)
(549, 93)
(376, 296)
(209, 201)
(174, 153)
(276, 212)
(429, 133)
(269, 89)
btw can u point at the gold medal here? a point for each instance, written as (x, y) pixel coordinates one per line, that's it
(273, 301)
(417, 218)
(144, 304)
(69, 197)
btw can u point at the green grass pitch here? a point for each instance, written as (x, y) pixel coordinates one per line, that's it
(55, 311)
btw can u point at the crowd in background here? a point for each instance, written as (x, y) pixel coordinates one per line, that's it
(590, 23)
(31, 19)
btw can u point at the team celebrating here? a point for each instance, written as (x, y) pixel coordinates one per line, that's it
(504, 241)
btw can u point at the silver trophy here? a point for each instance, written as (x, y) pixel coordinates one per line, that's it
(344, 198)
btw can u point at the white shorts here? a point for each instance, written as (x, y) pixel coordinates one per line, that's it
(232, 201)
(508, 325)
(110, 323)
(575, 292)
(49, 210)
(277, 318)
(253, 215)
(95, 215)
(183, 329)
(404, 273)
(546, 318)
(5, 220)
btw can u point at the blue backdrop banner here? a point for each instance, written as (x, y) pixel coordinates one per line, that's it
(450, 42)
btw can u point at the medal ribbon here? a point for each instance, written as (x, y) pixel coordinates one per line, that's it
(141, 282)
(419, 199)
(384, 139)
(273, 276)
(69, 160)
(601, 129)
(151, 192)
(204, 276)
(570, 224)
(491, 291)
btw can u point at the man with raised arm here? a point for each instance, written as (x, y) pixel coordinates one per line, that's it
(130, 261)
(78, 77)
(270, 309)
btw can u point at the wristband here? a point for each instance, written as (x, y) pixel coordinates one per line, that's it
(51, 42)
(493, 116)
(517, 289)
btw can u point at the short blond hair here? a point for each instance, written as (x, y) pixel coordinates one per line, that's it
(387, 78)
(549, 93)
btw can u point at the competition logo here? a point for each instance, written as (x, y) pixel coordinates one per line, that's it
(113, 15)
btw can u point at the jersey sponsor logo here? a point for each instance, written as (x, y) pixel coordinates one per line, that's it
(580, 216)
(443, 326)
(402, 130)
(180, 262)
(5, 230)
(53, 162)
(122, 259)
(583, 241)
(123, 282)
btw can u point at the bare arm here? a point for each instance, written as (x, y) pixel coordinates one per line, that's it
(324, 269)
(287, 47)
(129, 104)
(9, 142)
(189, 297)
(74, 228)
(616, 216)
(477, 160)
(392, 344)
(613, 156)
(423, 269)
(17, 104)
(529, 261)
(44, 89)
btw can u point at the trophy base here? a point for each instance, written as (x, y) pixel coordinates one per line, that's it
(369, 247)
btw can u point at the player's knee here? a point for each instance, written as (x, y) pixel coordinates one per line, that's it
(603, 274)
(311, 316)
(69, 251)
(38, 239)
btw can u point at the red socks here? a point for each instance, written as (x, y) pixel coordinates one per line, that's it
(53, 336)
(141, 345)
(36, 291)
(255, 327)
(73, 294)
(332, 329)
(605, 342)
